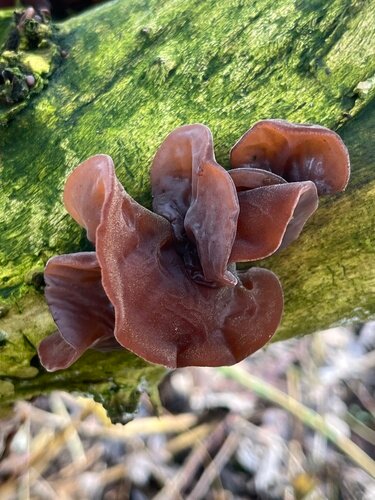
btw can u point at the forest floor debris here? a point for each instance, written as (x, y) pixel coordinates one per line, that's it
(294, 421)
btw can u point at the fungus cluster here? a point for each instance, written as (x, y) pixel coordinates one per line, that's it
(164, 284)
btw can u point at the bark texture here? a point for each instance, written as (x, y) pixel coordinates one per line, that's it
(134, 71)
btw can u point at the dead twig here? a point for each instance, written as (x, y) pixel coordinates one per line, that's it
(213, 470)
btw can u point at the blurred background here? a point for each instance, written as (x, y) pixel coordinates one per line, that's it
(294, 421)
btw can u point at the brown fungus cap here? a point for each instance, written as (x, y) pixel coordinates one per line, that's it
(199, 199)
(164, 284)
(296, 153)
(160, 313)
(252, 178)
(73, 287)
(272, 212)
(271, 218)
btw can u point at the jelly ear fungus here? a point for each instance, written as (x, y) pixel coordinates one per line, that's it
(164, 284)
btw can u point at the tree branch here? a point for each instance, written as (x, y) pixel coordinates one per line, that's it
(135, 71)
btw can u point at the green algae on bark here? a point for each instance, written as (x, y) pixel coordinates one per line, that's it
(328, 274)
(28, 55)
(138, 69)
(6, 16)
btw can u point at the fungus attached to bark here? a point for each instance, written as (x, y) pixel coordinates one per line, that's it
(199, 199)
(296, 153)
(164, 284)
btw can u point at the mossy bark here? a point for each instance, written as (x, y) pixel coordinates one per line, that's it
(136, 70)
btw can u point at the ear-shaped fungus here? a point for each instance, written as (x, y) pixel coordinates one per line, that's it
(164, 285)
(79, 306)
(296, 153)
(160, 313)
(272, 212)
(199, 199)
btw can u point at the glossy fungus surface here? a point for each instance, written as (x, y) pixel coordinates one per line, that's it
(199, 199)
(296, 153)
(164, 284)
